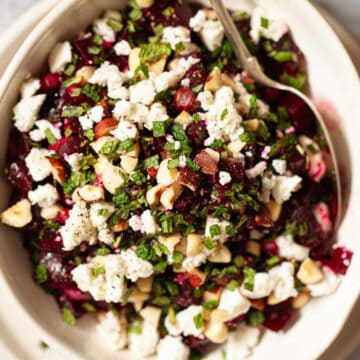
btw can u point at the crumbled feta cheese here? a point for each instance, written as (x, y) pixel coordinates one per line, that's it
(327, 285)
(122, 48)
(145, 343)
(107, 74)
(193, 262)
(26, 112)
(263, 286)
(265, 152)
(197, 22)
(100, 212)
(135, 266)
(37, 163)
(184, 323)
(185, 83)
(177, 145)
(30, 87)
(279, 166)
(264, 25)
(117, 91)
(284, 186)
(284, 281)
(223, 122)
(166, 80)
(39, 134)
(289, 249)
(233, 303)
(210, 221)
(135, 223)
(123, 109)
(44, 195)
(125, 130)
(224, 178)
(172, 345)
(99, 143)
(257, 170)
(74, 161)
(175, 35)
(112, 327)
(60, 56)
(107, 285)
(241, 342)
(148, 221)
(211, 31)
(142, 92)
(206, 99)
(157, 113)
(106, 236)
(103, 29)
(78, 227)
(94, 115)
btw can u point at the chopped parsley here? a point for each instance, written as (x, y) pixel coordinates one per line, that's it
(68, 316)
(153, 52)
(41, 274)
(249, 277)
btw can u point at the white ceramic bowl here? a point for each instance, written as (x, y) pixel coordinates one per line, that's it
(336, 89)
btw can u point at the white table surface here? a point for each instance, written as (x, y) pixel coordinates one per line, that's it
(347, 12)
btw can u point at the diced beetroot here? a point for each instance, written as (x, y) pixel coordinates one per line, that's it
(296, 163)
(19, 145)
(75, 294)
(271, 95)
(263, 219)
(207, 163)
(82, 45)
(189, 178)
(62, 216)
(197, 133)
(234, 323)
(184, 99)
(196, 74)
(66, 146)
(234, 167)
(50, 81)
(19, 177)
(195, 342)
(72, 126)
(270, 247)
(340, 260)
(300, 114)
(51, 242)
(185, 201)
(75, 96)
(277, 316)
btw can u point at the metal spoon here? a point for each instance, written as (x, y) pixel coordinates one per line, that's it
(252, 66)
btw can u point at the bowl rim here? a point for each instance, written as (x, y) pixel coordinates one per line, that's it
(15, 63)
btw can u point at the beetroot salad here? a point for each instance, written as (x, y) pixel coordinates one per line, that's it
(161, 189)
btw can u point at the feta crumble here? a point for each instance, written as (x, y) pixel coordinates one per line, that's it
(26, 112)
(29, 87)
(37, 163)
(224, 178)
(60, 56)
(233, 303)
(327, 285)
(39, 134)
(289, 249)
(94, 115)
(44, 196)
(74, 160)
(279, 166)
(172, 345)
(210, 221)
(135, 266)
(175, 35)
(122, 48)
(145, 343)
(125, 130)
(142, 92)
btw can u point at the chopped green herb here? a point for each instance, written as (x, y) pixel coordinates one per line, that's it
(210, 305)
(103, 212)
(70, 69)
(230, 230)
(224, 113)
(44, 345)
(192, 165)
(232, 285)
(41, 274)
(178, 257)
(198, 321)
(167, 12)
(179, 47)
(50, 137)
(160, 266)
(273, 261)
(196, 89)
(97, 40)
(264, 22)
(72, 111)
(89, 134)
(136, 328)
(68, 316)
(102, 251)
(88, 307)
(91, 91)
(172, 288)
(298, 81)
(152, 161)
(256, 318)
(153, 52)
(135, 12)
(116, 25)
(159, 128)
(94, 50)
(282, 56)
(87, 161)
(138, 177)
(209, 243)
(249, 277)
(173, 163)
(215, 230)
(97, 271)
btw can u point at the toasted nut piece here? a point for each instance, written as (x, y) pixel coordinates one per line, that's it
(128, 163)
(50, 212)
(273, 300)
(213, 154)
(90, 193)
(236, 146)
(253, 248)
(174, 64)
(18, 215)
(145, 3)
(196, 277)
(219, 315)
(221, 255)
(184, 119)
(194, 244)
(144, 284)
(153, 194)
(170, 241)
(214, 82)
(104, 127)
(110, 175)
(134, 58)
(58, 170)
(228, 81)
(121, 226)
(274, 209)
(253, 124)
(301, 300)
(75, 196)
(135, 152)
(158, 66)
(206, 314)
(138, 298)
(85, 73)
(170, 195)
(212, 295)
(181, 247)
(151, 314)
(309, 272)
(258, 304)
(164, 175)
(210, 14)
(216, 331)
(189, 178)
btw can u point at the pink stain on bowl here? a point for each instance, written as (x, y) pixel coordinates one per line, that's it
(329, 114)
